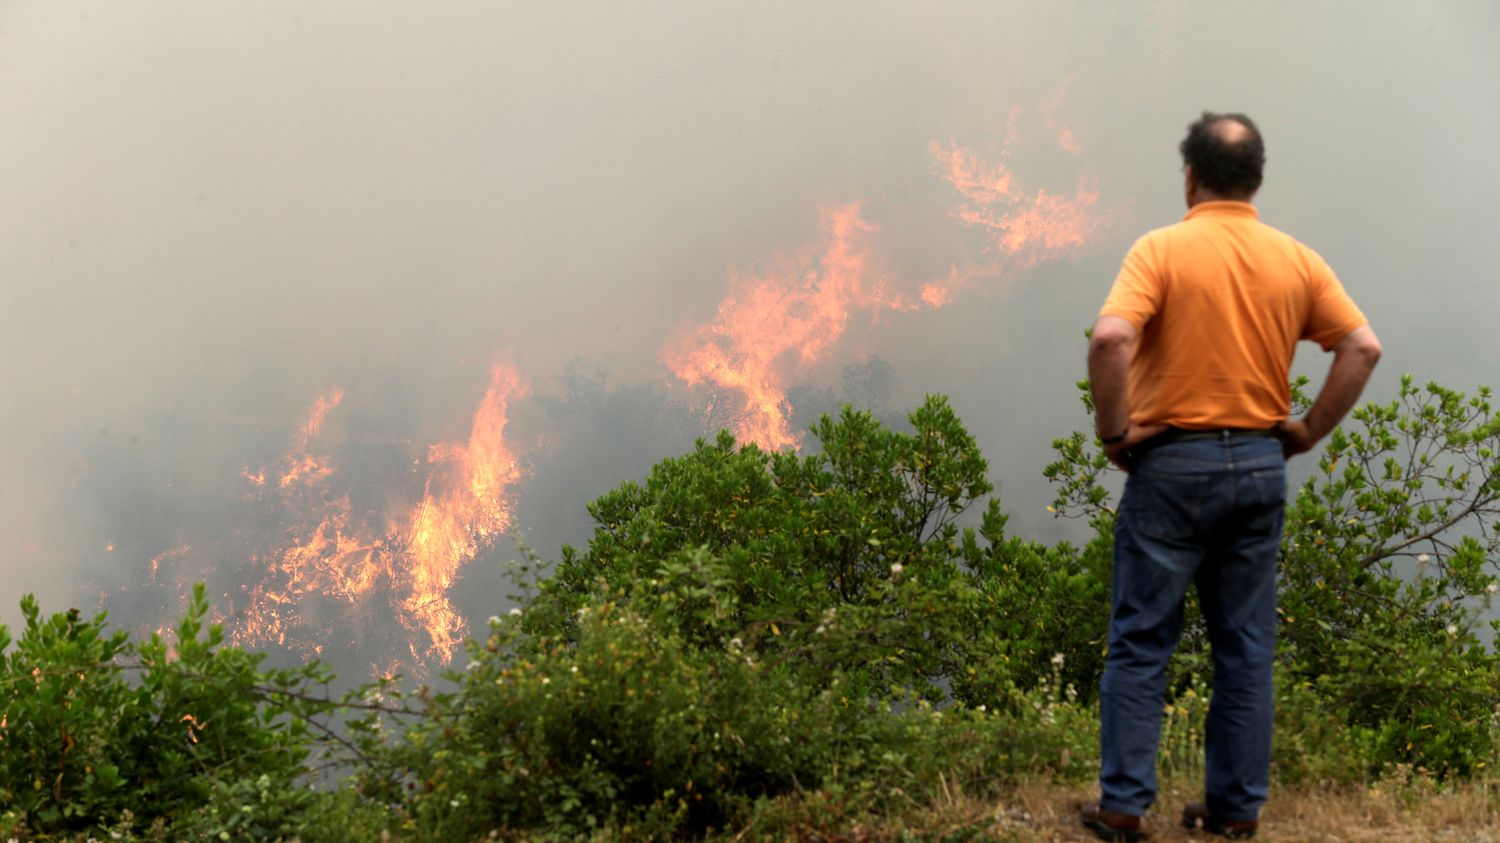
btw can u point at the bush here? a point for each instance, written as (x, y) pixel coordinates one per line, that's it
(94, 728)
(789, 645)
(796, 537)
(626, 725)
(1389, 554)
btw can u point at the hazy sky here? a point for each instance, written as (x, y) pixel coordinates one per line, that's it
(212, 210)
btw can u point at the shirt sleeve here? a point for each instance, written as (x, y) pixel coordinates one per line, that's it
(1331, 314)
(1137, 292)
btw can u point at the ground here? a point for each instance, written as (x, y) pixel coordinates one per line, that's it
(1415, 811)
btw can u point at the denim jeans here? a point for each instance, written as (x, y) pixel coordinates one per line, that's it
(1208, 512)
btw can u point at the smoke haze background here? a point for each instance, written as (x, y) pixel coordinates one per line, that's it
(214, 211)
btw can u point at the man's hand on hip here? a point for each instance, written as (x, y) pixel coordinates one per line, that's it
(1296, 438)
(1119, 452)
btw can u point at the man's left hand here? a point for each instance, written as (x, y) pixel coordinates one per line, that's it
(1119, 453)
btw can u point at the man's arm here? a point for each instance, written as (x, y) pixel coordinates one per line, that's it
(1111, 346)
(1354, 358)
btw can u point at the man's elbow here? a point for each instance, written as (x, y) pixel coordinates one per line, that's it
(1363, 345)
(1111, 334)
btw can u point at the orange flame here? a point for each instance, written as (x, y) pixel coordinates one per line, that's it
(174, 554)
(1049, 107)
(464, 508)
(779, 321)
(1024, 227)
(465, 505)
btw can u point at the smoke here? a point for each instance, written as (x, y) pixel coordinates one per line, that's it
(216, 214)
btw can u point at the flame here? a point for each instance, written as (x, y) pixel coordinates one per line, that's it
(1048, 108)
(1023, 226)
(170, 555)
(780, 320)
(463, 508)
(352, 556)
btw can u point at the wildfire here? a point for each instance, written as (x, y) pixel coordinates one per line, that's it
(775, 323)
(330, 548)
(351, 556)
(464, 508)
(170, 555)
(781, 319)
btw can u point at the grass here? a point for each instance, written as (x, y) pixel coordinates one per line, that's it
(1413, 809)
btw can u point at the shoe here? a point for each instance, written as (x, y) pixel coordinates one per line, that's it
(1194, 813)
(1111, 825)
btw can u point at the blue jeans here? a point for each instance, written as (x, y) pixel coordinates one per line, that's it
(1207, 512)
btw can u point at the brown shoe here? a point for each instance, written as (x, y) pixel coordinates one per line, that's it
(1195, 813)
(1111, 825)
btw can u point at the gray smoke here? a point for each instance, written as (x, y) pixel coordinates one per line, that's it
(215, 211)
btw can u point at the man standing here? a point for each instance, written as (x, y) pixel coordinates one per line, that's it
(1189, 362)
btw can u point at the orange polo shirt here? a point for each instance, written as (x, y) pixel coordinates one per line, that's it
(1221, 300)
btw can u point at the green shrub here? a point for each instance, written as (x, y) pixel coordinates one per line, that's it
(93, 727)
(1390, 552)
(750, 639)
(796, 537)
(625, 726)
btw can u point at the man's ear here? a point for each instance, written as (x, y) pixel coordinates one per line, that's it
(1189, 184)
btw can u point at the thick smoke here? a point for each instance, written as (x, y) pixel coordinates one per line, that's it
(216, 214)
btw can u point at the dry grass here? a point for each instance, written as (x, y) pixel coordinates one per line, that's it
(1412, 810)
(1403, 811)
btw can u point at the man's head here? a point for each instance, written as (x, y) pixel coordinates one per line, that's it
(1223, 157)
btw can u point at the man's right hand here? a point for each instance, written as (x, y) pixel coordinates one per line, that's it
(1296, 438)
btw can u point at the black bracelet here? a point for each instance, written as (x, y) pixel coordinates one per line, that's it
(1115, 440)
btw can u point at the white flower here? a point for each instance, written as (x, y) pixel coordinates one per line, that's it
(895, 569)
(1492, 587)
(494, 620)
(821, 629)
(546, 680)
(515, 612)
(1452, 630)
(573, 669)
(983, 708)
(1057, 660)
(735, 643)
(1423, 558)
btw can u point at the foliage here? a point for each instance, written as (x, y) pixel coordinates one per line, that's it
(797, 537)
(629, 728)
(1390, 552)
(93, 726)
(627, 725)
(788, 645)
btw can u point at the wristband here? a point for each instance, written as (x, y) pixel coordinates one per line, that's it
(1115, 440)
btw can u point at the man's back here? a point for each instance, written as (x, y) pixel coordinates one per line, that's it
(1188, 364)
(1221, 300)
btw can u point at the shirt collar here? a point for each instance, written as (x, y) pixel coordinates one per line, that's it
(1222, 207)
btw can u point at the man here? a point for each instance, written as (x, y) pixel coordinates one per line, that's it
(1189, 363)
